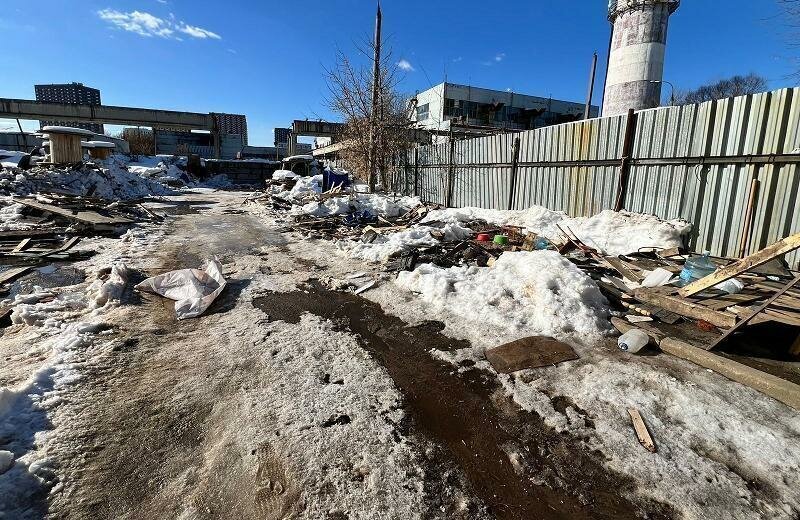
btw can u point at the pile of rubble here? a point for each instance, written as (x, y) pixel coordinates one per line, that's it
(675, 296)
(45, 229)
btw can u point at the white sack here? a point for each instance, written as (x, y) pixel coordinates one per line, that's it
(192, 289)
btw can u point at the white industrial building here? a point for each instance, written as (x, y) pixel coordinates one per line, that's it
(465, 106)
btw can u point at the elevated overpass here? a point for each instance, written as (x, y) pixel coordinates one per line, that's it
(112, 115)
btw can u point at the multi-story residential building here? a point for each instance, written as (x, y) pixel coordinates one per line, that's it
(70, 94)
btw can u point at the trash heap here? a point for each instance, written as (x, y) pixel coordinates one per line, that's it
(649, 280)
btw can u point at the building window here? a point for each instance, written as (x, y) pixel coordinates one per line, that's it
(423, 112)
(451, 107)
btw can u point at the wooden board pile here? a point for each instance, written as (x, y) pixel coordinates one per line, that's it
(770, 291)
(53, 225)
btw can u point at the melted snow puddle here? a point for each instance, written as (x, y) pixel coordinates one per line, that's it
(510, 458)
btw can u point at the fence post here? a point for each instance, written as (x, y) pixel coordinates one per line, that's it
(514, 168)
(450, 172)
(625, 163)
(416, 171)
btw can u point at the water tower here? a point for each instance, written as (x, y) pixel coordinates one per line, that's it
(636, 56)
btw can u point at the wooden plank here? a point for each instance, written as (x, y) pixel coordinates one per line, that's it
(641, 430)
(768, 384)
(87, 217)
(685, 307)
(624, 269)
(22, 245)
(746, 320)
(531, 352)
(65, 246)
(13, 273)
(779, 248)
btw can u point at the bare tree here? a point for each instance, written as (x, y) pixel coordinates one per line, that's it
(350, 96)
(730, 87)
(140, 140)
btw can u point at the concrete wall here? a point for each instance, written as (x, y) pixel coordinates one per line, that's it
(638, 48)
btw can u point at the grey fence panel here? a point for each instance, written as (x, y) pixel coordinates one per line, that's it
(713, 196)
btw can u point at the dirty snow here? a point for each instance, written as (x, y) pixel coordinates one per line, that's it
(610, 232)
(366, 469)
(614, 233)
(65, 323)
(523, 293)
(11, 215)
(724, 450)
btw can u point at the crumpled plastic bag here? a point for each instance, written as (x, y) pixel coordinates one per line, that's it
(192, 289)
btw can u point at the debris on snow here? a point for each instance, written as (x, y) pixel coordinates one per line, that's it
(193, 290)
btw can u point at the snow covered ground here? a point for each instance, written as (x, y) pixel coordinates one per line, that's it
(724, 450)
(267, 451)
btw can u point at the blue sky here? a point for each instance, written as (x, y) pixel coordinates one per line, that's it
(265, 58)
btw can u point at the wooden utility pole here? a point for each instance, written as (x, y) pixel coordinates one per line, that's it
(373, 124)
(587, 111)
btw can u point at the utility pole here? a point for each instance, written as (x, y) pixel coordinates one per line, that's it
(587, 111)
(373, 126)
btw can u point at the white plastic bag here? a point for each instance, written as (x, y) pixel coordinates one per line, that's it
(657, 278)
(192, 289)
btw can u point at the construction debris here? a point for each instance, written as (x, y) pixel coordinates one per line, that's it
(530, 352)
(193, 290)
(641, 430)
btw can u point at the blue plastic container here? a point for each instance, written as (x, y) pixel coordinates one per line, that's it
(697, 267)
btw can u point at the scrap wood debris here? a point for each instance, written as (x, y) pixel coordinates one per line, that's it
(663, 285)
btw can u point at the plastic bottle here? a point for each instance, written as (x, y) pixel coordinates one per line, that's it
(541, 243)
(633, 341)
(697, 267)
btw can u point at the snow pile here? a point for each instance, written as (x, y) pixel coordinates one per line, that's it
(113, 182)
(65, 327)
(163, 169)
(384, 246)
(523, 293)
(10, 216)
(283, 175)
(10, 158)
(304, 186)
(361, 202)
(611, 232)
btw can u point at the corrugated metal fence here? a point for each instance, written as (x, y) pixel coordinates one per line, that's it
(727, 166)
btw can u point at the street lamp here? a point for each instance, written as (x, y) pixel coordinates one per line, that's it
(672, 87)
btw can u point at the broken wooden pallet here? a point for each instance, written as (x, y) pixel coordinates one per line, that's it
(91, 218)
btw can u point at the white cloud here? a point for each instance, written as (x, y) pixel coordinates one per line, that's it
(148, 25)
(500, 56)
(456, 60)
(405, 65)
(197, 32)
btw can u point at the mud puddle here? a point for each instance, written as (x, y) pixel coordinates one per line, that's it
(551, 475)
